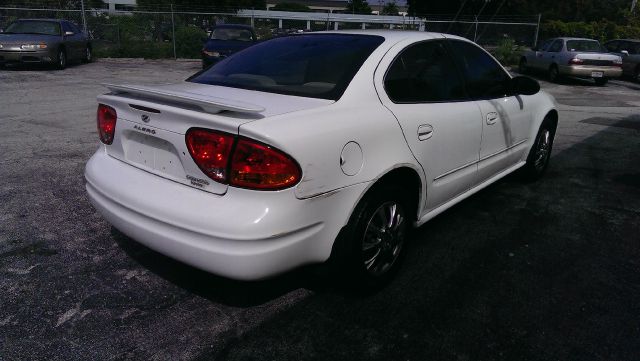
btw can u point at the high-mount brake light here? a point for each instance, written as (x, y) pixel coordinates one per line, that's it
(210, 150)
(106, 118)
(241, 162)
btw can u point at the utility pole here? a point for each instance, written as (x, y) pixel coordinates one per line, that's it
(633, 5)
(173, 33)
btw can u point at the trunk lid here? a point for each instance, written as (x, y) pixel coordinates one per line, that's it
(598, 59)
(152, 122)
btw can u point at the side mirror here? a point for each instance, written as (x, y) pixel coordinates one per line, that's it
(523, 85)
(625, 52)
(68, 33)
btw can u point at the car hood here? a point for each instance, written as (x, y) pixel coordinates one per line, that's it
(26, 38)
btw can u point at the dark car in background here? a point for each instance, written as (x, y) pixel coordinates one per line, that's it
(225, 40)
(43, 41)
(629, 51)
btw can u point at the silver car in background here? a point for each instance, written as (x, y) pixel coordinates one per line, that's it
(629, 51)
(44, 41)
(576, 57)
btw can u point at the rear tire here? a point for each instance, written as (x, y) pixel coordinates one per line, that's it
(540, 153)
(601, 81)
(554, 74)
(369, 249)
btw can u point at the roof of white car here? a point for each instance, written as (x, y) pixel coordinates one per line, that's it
(397, 35)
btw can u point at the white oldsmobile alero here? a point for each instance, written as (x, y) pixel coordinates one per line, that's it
(322, 147)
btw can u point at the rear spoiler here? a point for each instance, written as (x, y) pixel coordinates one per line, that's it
(208, 104)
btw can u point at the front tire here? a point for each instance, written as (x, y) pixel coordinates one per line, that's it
(61, 59)
(370, 248)
(522, 66)
(540, 153)
(554, 74)
(88, 55)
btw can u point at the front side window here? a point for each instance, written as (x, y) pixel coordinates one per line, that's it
(545, 45)
(34, 27)
(312, 65)
(485, 78)
(424, 72)
(584, 46)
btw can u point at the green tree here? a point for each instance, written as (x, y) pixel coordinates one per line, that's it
(390, 9)
(358, 7)
(291, 7)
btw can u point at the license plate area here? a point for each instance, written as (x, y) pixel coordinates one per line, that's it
(597, 74)
(153, 153)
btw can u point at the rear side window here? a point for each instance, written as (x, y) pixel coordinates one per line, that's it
(485, 78)
(556, 46)
(312, 65)
(588, 46)
(424, 72)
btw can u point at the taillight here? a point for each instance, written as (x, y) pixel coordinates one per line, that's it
(210, 150)
(106, 119)
(259, 166)
(241, 162)
(576, 61)
(618, 62)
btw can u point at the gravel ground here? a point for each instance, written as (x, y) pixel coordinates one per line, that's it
(541, 271)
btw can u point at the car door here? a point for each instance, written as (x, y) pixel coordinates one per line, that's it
(631, 59)
(536, 62)
(74, 43)
(506, 119)
(551, 56)
(424, 90)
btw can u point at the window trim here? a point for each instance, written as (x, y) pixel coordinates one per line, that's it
(455, 65)
(457, 62)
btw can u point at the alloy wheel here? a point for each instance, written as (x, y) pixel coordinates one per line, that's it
(383, 238)
(542, 150)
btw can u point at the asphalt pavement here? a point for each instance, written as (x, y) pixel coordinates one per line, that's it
(520, 271)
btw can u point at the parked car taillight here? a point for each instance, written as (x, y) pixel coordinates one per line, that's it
(210, 150)
(241, 162)
(576, 61)
(106, 119)
(259, 166)
(618, 62)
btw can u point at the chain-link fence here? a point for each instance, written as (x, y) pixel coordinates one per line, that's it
(169, 32)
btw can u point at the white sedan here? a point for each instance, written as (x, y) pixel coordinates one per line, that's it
(314, 148)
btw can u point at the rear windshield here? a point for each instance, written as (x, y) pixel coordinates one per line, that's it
(312, 65)
(231, 34)
(34, 27)
(589, 46)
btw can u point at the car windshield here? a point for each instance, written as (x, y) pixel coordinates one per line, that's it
(231, 34)
(34, 27)
(588, 46)
(313, 65)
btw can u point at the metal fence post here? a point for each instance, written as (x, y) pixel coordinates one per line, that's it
(475, 34)
(173, 34)
(535, 41)
(84, 19)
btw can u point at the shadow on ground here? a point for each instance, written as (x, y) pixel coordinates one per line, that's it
(538, 271)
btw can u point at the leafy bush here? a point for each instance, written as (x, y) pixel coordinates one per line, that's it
(189, 41)
(507, 52)
(601, 30)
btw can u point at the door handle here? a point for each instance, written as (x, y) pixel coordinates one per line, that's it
(492, 118)
(425, 131)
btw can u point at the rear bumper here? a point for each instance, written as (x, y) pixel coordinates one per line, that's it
(26, 57)
(585, 71)
(245, 235)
